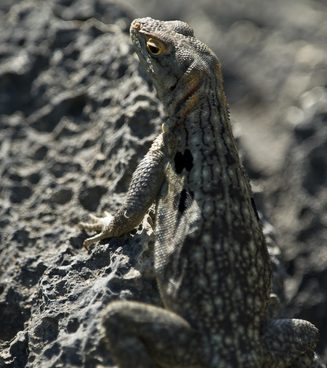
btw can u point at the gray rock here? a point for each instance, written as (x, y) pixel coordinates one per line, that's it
(75, 119)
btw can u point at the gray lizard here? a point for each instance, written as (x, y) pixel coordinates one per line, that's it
(211, 261)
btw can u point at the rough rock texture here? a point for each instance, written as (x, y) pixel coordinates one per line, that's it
(75, 118)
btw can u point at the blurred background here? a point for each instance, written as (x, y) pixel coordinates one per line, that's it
(274, 60)
(272, 52)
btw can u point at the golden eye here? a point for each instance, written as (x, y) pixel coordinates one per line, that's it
(155, 47)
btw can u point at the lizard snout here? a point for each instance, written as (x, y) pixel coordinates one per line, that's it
(136, 25)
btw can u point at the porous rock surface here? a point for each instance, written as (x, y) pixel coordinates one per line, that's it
(75, 119)
(76, 116)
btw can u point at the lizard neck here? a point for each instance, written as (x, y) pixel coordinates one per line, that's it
(203, 138)
(197, 88)
(198, 119)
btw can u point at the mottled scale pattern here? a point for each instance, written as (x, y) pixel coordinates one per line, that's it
(211, 261)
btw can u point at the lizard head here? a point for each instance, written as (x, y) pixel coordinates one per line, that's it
(177, 63)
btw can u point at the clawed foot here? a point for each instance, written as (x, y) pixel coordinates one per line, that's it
(100, 225)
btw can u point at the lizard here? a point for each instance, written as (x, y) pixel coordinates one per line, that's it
(210, 257)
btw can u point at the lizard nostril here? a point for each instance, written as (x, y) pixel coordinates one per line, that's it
(136, 25)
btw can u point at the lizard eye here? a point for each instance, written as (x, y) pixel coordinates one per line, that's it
(155, 47)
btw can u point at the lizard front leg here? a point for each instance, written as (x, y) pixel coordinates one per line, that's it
(143, 190)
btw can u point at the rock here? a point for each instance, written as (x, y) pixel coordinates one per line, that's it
(73, 108)
(300, 202)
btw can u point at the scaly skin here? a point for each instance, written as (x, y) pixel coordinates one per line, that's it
(211, 260)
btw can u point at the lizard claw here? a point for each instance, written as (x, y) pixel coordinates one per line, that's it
(99, 225)
(93, 239)
(90, 226)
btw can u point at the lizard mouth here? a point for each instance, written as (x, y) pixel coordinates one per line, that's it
(137, 36)
(135, 31)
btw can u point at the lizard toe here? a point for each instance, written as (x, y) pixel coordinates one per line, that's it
(97, 226)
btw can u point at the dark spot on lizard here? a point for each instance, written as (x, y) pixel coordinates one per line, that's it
(255, 209)
(188, 160)
(179, 165)
(183, 200)
(183, 161)
(172, 88)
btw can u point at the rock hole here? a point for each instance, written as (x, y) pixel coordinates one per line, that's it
(12, 320)
(47, 330)
(75, 105)
(90, 197)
